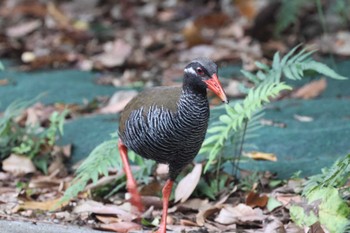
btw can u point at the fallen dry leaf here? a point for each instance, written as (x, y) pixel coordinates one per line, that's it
(239, 214)
(181, 228)
(32, 117)
(192, 34)
(224, 198)
(57, 167)
(303, 118)
(274, 226)
(248, 8)
(118, 101)
(45, 205)
(18, 165)
(197, 51)
(99, 208)
(67, 150)
(51, 60)
(120, 227)
(188, 184)
(107, 219)
(103, 181)
(206, 211)
(261, 156)
(44, 182)
(338, 43)
(287, 199)
(4, 82)
(317, 228)
(212, 20)
(186, 222)
(152, 201)
(58, 15)
(193, 204)
(311, 90)
(23, 29)
(35, 9)
(115, 54)
(291, 227)
(254, 199)
(151, 189)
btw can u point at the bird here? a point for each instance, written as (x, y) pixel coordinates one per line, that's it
(168, 125)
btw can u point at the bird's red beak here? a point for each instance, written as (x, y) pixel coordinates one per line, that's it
(214, 85)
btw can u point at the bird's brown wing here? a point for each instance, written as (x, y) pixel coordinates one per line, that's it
(162, 97)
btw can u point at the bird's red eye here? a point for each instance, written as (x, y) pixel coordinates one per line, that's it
(200, 71)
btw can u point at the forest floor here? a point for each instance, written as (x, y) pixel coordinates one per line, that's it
(92, 58)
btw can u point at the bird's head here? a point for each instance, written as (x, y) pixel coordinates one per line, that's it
(203, 72)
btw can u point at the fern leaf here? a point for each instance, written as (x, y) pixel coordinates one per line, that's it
(305, 56)
(276, 61)
(262, 66)
(322, 69)
(267, 85)
(236, 115)
(288, 55)
(225, 119)
(216, 129)
(336, 176)
(100, 160)
(250, 76)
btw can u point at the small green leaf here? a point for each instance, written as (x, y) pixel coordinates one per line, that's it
(334, 213)
(301, 218)
(225, 119)
(273, 204)
(323, 69)
(276, 61)
(288, 55)
(250, 76)
(216, 129)
(211, 139)
(239, 109)
(262, 66)
(230, 111)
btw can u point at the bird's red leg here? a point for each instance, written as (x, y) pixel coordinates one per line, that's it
(130, 181)
(166, 195)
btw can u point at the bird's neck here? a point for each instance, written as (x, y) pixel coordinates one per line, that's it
(194, 86)
(193, 103)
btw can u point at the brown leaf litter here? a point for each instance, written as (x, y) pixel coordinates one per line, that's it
(311, 90)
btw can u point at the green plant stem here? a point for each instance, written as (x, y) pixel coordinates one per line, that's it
(238, 157)
(218, 171)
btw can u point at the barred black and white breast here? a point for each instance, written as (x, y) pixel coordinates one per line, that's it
(166, 124)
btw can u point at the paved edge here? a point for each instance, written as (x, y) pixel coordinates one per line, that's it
(26, 227)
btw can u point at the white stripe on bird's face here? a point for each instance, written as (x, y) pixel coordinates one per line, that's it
(190, 70)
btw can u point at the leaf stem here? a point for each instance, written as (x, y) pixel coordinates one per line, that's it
(238, 157)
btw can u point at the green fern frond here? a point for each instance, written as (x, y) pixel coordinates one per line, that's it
(235, 116)
(104, 157)
(99, 162)
(336, 176)
(267, 84)
(13, 110)
(292, 66)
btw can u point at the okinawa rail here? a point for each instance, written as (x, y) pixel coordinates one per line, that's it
(168, 125)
